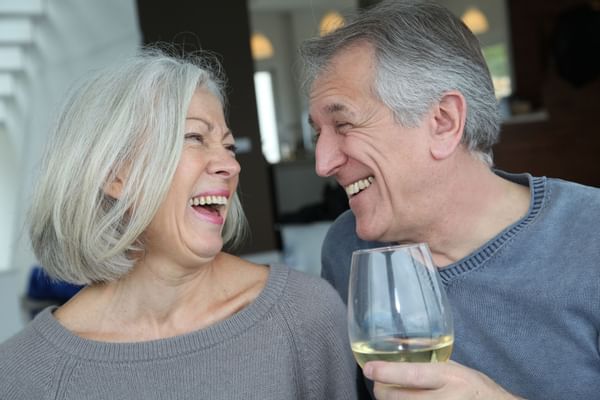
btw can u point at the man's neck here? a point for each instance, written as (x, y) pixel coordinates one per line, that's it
(483, 204)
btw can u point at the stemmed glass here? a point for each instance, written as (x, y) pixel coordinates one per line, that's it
(397, 307)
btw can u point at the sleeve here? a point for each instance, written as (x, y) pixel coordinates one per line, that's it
(24, 367)
(336, 257)
(327, 263)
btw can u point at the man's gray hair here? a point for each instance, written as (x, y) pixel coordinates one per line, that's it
(422, 52)
(128, 117)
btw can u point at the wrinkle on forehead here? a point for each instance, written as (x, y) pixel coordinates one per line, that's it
(345, 85)
(206, 108)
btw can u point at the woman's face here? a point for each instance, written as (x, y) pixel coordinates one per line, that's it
(187, 227)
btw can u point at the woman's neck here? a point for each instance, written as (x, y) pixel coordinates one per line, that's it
(157, 300)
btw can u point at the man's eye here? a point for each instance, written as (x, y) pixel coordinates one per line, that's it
(315, 137)
(342, 125)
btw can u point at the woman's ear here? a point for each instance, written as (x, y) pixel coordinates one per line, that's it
(449, 116)
(114, 186)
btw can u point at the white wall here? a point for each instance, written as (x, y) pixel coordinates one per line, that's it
(8, 181)
(71, 38)
(10, 312)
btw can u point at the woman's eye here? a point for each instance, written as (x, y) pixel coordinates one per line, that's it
(195, 136)
(232, 148)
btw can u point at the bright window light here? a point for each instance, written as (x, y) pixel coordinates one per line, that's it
(267, 121)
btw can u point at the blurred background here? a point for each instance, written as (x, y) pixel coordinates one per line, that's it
(544, 57)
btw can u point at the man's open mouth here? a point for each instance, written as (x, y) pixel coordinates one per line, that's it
(358, 186)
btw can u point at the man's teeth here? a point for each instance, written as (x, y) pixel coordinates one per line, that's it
(208, 200)
(359, 185)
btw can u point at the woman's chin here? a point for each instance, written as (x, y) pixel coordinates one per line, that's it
(208, 248)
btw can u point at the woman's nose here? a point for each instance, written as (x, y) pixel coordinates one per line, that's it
(224, 164)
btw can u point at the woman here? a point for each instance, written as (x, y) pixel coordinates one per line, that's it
(136, 200)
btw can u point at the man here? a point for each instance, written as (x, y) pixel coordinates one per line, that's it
(404, 111)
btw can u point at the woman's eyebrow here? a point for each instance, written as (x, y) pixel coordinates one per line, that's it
(210, 126)
(205, 122)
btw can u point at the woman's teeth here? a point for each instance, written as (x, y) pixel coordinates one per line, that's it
(357, 186)
(208, 200)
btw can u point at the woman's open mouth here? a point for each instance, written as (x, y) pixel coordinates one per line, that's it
(210, 207)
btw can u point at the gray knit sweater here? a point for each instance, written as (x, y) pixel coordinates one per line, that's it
(290, 343)
(526, 305)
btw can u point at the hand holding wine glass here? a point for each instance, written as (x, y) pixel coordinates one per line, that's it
(397, 308)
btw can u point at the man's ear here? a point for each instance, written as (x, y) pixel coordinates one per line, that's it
(449, 116)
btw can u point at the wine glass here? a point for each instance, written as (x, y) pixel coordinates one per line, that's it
(397, 307)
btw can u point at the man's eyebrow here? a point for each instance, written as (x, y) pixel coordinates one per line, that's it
(336, 107)
(332, 109)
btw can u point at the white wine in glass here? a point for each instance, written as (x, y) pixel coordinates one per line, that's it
(397, 307)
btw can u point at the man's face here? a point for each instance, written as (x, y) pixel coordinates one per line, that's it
(384, 167)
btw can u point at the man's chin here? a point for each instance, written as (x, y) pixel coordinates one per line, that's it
(368, 233)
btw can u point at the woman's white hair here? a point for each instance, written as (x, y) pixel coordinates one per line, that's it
(129, 117)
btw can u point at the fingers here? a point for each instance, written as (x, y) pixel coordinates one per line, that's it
(390, 392)
(420, 381)
(407, 375)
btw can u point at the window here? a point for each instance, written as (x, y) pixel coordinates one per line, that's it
(263, 84)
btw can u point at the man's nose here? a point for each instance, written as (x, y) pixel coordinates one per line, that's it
(329, 156)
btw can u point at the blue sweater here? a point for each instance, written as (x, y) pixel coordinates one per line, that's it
(526, 305)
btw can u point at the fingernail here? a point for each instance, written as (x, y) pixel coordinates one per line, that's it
(368, 371)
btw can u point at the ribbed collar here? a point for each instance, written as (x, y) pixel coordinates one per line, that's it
(479, 257)
(51, 330)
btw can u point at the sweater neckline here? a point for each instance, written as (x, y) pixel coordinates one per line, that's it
(490, 248)
(64, 340)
